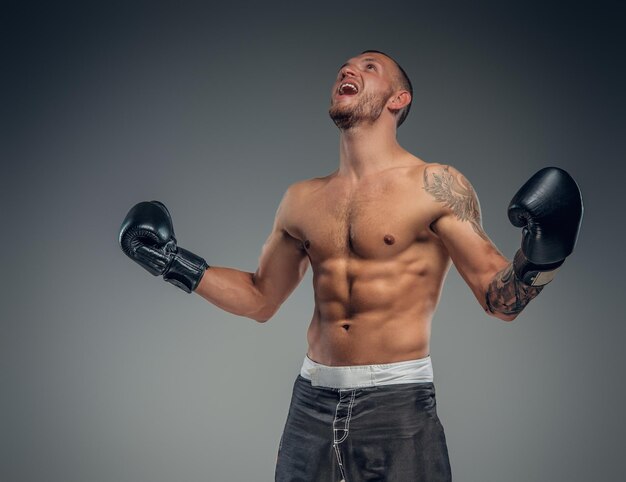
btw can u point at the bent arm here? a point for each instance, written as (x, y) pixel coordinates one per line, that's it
(232, 290)
(479, 262)
(507, 296)
(258, 295)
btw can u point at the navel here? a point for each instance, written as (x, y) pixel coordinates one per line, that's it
(389, 239)
(346, 327)
(307, 244)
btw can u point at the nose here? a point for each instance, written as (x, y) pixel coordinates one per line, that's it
(345, 70)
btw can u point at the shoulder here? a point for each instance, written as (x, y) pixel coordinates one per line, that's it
(434, 173)
(292, 206)
(299, 188)
(446, 180)
(451, 190)
(293, 194)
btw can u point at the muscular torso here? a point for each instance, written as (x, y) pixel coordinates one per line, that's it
(378, 268)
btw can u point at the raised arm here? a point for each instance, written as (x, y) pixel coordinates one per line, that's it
(549, 208)
(479, 262)
(259, 295)
(147, 237)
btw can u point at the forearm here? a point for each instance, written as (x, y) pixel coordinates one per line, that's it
(234, 291)
(506, 296)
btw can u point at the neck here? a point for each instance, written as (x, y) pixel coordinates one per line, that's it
(368, 149)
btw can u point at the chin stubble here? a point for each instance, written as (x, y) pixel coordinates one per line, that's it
(367, 109)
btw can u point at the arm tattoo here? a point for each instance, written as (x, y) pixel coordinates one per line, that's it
(455, 192)
(505, 294)
(508, 295)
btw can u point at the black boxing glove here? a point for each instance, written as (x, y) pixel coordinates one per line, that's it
(147, 237)
(549, 207)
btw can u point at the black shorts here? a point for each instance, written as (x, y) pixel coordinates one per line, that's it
(383, 432)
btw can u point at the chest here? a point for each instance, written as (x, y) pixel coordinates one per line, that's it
(374, 220)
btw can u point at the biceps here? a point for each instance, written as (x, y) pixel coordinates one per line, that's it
(474, 255)
(282, 265)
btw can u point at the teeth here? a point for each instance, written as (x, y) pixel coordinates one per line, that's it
(341, 87)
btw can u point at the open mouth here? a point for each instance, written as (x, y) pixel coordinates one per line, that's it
(347, 89)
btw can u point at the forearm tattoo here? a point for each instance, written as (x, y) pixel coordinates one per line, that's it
(505, 294)
(508, 295)
(455, 192)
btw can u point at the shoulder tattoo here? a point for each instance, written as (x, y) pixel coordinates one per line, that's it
(455, 192)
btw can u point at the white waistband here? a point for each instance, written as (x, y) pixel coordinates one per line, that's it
(410, 371)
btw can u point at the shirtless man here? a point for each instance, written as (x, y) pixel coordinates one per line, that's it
(380, 233)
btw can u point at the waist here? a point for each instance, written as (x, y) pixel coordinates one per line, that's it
(352, 376)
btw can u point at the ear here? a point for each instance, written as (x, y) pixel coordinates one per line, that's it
(399, 100)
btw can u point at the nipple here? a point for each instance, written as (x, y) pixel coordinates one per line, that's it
(389, 239)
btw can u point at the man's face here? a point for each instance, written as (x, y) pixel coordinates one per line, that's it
(361, 90)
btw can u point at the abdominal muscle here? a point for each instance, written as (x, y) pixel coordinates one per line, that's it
(375, 318)
(378, 268)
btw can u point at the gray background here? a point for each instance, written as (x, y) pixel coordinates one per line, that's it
(109, 374)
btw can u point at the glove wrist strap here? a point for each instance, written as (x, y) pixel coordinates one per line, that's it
(533, 274)
(185, 270)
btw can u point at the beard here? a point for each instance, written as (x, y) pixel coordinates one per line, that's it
(366, 109)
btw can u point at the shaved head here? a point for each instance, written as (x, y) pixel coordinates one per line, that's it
(402, 81)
